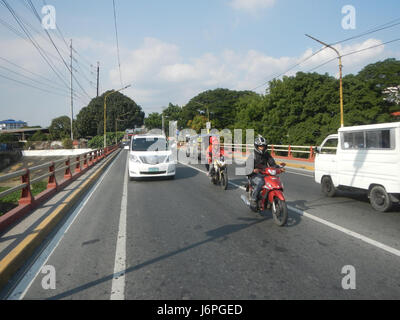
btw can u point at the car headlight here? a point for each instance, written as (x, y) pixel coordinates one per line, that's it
(133, 158)
(170, 159)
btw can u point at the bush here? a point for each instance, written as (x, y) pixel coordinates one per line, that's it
(98, 141)
(38, 136)
(67, 143)
(6, 138)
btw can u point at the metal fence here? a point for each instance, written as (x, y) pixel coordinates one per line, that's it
(73, 166)
(301, 153)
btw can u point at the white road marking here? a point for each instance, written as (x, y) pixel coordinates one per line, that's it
(118, 282)
(29, 277)
(327, 223)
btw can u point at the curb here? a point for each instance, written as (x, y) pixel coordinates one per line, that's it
(10, 264)
(299, 166)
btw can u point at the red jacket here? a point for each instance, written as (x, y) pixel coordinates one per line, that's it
(211, 153)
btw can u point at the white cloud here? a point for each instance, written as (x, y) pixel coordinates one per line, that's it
(251, 5)
(160, 73)
(163, 75)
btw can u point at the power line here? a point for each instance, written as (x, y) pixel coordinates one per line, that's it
(55, 46)
(35, 44)
(116, 35)
(354, 52)
(35, 87)
(384, 26)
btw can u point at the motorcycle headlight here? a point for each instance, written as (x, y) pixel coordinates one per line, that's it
(272, 172)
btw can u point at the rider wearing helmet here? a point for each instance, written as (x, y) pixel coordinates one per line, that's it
(262, 159)
(214, 151)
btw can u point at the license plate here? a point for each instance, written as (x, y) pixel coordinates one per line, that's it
(153, 170)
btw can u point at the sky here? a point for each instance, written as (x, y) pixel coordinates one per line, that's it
(170, 51)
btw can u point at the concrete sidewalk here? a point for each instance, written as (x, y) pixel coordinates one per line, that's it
(20, 241)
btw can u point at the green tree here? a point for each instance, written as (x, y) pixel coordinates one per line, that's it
(219, 104)
(174, 113)
(198, 123)
(90, 120)
(153, 121)
(60, 128)
(38, 136)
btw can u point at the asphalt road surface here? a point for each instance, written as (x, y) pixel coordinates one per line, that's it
(187, 239)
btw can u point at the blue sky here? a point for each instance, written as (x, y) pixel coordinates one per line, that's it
(172, 50)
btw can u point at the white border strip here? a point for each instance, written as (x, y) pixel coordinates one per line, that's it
(118, 282)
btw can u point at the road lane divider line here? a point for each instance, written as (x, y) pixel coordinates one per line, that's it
(19, 292)
(118, 281)
(327, 223)
(18, 256)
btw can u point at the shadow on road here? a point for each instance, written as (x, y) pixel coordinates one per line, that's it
(213, 235)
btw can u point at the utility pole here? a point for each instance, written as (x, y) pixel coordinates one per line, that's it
(98, 77)
(340, 72)
(72, 100)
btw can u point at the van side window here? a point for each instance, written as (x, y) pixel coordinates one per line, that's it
(378, 139)
(330, 146)
(369, 139)
(353, 140)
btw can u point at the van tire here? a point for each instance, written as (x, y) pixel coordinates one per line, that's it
(379, 199)
(327, 187)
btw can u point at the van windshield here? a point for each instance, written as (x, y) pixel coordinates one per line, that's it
(149, 144)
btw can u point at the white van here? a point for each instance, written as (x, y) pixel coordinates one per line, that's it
(362, 157)
(150, 156)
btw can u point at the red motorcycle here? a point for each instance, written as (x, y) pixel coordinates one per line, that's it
(271, 195)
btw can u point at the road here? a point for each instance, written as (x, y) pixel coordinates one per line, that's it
(187, 239)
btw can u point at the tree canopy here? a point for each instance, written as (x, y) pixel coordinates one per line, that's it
(128, 114)
(60, 128)
(299, 110)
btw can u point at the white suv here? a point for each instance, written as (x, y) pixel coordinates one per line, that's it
(150, 156)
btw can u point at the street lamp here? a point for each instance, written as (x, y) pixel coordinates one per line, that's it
(105, 110)
(340, 72)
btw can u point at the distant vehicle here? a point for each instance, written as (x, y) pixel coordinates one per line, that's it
(362, 157)
(150, 156)
(125, 144)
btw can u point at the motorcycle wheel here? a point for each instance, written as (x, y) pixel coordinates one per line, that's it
(280, 214)
(214, 179)
(224, 180)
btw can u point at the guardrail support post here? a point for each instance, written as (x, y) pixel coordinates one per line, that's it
(26, 194)
(290, 152)
(52, 182)
(85, 161)
(272, 151)
(312, 155)
(78, 165)
(68, 173)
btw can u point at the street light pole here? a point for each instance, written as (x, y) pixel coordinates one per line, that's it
(105, 111)
(340, 73)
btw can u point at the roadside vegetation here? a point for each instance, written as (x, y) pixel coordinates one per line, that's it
(11, 201)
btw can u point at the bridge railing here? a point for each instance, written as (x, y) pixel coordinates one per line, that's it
(301, 153)
(72, 167)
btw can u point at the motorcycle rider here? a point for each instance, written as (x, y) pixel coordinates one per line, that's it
(262, 159)
(213, 151)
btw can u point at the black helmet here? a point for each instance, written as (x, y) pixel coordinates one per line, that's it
(260, 141)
